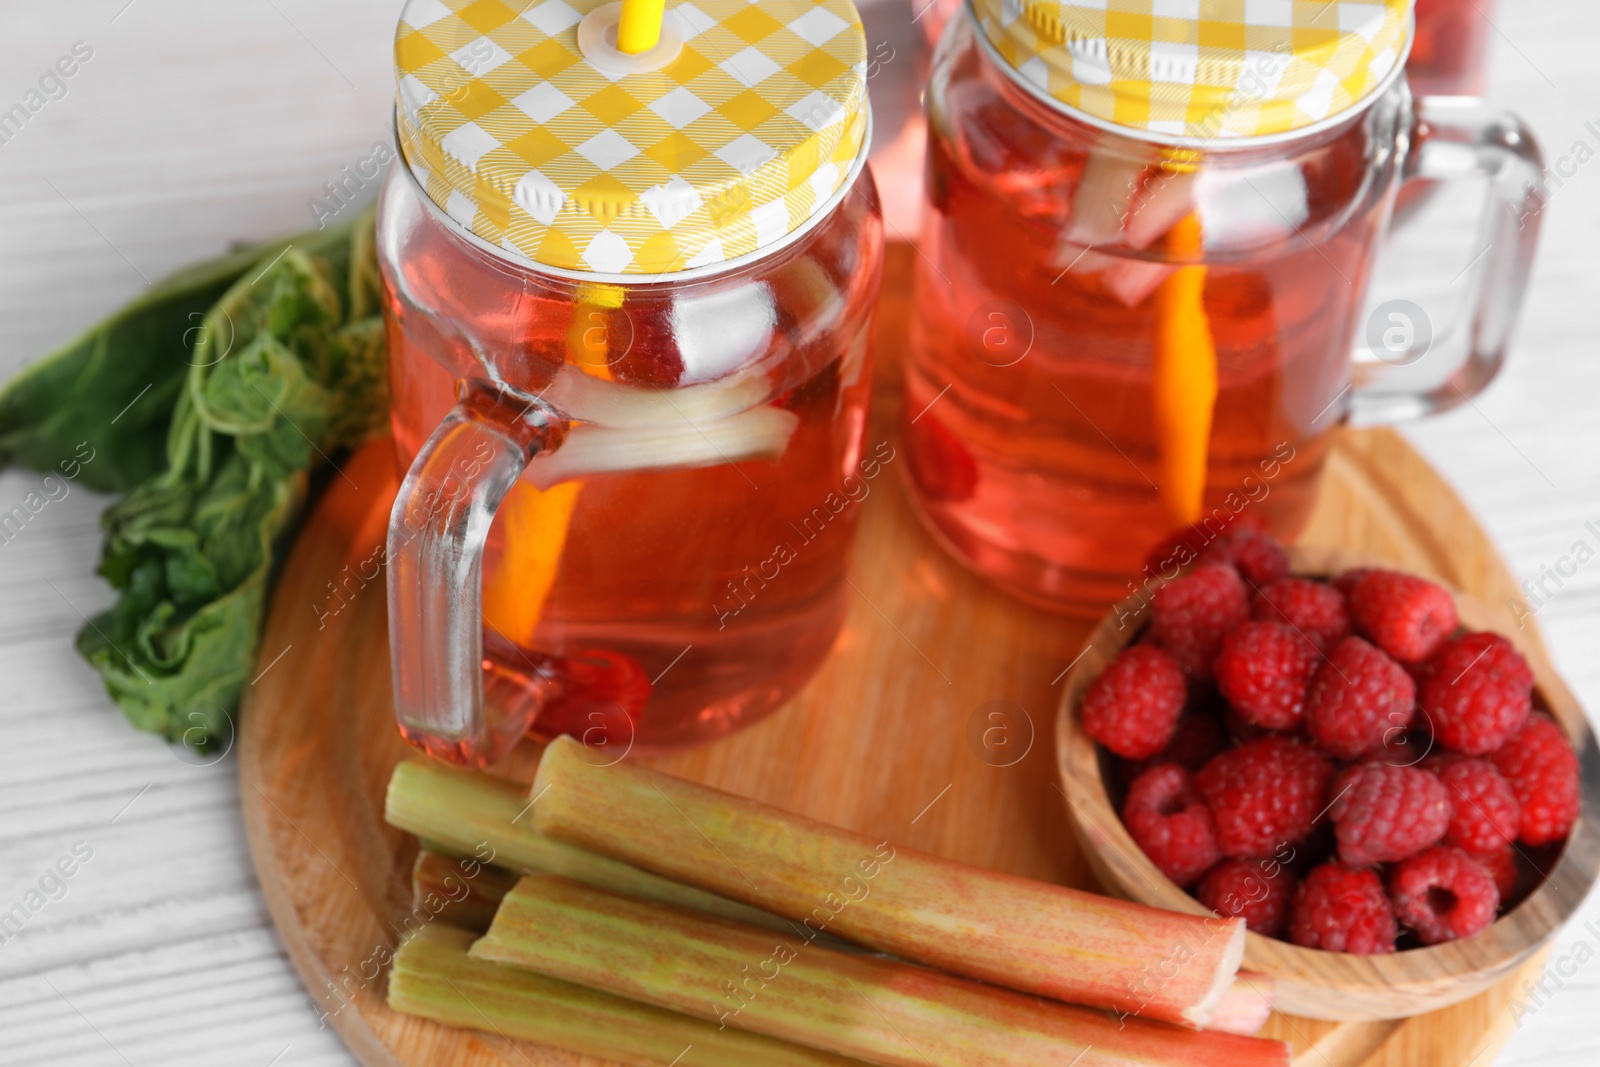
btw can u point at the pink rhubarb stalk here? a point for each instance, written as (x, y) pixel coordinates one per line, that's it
(1072, 945)
(463, 813)
(1246, 1006)
(434, 978)
(460, 892)
(879, 1010)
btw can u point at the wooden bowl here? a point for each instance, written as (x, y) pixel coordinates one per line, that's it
(1336, 985)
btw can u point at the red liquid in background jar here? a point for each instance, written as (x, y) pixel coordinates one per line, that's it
(686, 602)
(1033, 451)
(1449, 56)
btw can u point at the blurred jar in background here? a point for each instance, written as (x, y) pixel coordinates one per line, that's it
(897, 69)
(1137, 309)
(1451, 51)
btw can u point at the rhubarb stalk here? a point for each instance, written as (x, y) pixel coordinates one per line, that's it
(461, 892)
(1063, 943)
(433, 977)
(1247, 1004)
(880, 1010)
(476, 815)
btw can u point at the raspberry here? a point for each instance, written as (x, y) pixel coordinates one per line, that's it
(1198, 737)
(1260, 891)
(1487, 815)
(1443, 894)
(1170, 823)
(1342, 909)
(1383, 813)
(1265, 794)
(1503, 868)
(1133, 707)
(1259, 559)
(1402, 748)
(1242, 729)
(1189, 617)
(1345, 581)
(1406, 616)
(941, 463)
(1359, 699)
(1314, 610)
(1476, 692)
(1263, 670)
(1543, 772)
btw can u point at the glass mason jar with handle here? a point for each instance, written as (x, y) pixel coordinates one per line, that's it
(1144, 259)
(630, 298)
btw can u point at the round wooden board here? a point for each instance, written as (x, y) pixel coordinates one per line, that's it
(881, 741)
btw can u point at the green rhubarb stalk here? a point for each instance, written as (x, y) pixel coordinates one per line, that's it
(487, 818)
(461, 892)
(1057, 942)
(433, 977)
(1246, 1006)
(883, 1011)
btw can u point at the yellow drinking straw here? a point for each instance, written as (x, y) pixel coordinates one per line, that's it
(534, 522)
(1185, 388)
(640, 28)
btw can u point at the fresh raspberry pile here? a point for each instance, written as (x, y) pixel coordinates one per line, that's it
(1345, 730)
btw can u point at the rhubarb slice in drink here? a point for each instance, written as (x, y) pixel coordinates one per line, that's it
(1185, 379)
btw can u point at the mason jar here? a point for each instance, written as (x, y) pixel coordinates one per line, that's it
(630, 302)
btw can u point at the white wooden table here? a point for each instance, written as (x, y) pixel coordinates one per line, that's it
(195, 124)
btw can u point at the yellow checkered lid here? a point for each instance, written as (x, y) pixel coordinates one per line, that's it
(528, 128)
(1201, 69)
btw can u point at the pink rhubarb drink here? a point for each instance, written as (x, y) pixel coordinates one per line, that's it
(1142, 278)
(629, 356)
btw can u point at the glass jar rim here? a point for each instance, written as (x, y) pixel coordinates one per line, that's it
(1207, 144)
(689, 274)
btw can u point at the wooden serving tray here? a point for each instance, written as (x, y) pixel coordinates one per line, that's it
(887, 739)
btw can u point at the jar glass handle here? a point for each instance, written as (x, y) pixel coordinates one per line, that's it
(1457, 138)
(437, 533)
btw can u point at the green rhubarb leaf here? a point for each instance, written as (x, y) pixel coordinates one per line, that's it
(263, 366)
(112, 389)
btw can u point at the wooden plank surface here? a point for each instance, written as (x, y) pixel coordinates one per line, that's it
(198, 124)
